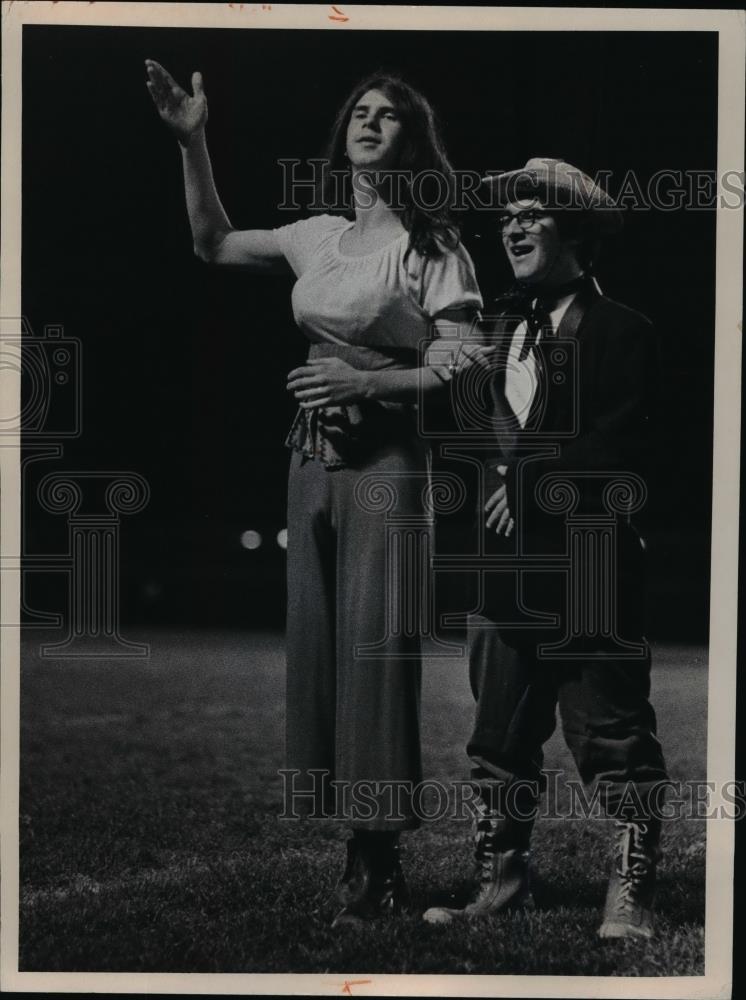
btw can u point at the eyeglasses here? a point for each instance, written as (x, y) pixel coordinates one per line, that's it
(526, 218)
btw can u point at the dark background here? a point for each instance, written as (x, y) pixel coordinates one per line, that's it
(183, 366)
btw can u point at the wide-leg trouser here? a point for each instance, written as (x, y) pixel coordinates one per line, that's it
(608, 722)
(353, 714)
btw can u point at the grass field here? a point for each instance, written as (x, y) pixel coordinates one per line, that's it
(150, 840)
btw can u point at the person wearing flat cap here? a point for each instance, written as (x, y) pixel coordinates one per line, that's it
(571, 386)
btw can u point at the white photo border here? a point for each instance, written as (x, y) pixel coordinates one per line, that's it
(730, 26)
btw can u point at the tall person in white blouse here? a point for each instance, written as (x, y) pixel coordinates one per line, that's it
(374, 283)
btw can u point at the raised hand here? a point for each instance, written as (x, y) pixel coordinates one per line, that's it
(183, 114)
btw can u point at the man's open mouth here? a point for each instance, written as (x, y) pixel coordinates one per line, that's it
(521, 250)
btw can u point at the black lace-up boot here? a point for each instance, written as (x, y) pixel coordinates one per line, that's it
(631, 892)
(373, 883)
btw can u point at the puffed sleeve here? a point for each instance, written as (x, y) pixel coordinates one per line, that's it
(300, 241)
(445, 283)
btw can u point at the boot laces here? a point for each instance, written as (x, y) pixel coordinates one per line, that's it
(635, 863)
(486, 846)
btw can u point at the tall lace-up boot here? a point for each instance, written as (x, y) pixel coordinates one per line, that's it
(629, 899)
(501, 876)
(373, 883)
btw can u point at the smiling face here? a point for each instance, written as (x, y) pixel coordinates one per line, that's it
(536, 251)
(374, 132)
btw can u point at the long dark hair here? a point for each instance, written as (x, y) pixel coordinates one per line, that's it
(430, 229)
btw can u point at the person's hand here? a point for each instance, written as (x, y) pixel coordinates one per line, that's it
(326, 382)
(183, 114)
(470, 354)
(457, 355)
(497, 510)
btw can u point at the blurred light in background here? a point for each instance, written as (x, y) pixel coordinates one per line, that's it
(152, 590)
(282, 538)
(251, 539)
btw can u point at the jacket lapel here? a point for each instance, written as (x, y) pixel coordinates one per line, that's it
(558, 389)
(559, 371)
(571, 321)
(505, 425)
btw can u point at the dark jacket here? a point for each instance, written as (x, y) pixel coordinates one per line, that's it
(591, 418)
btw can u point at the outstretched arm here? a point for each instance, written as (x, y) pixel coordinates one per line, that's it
(215, 239)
